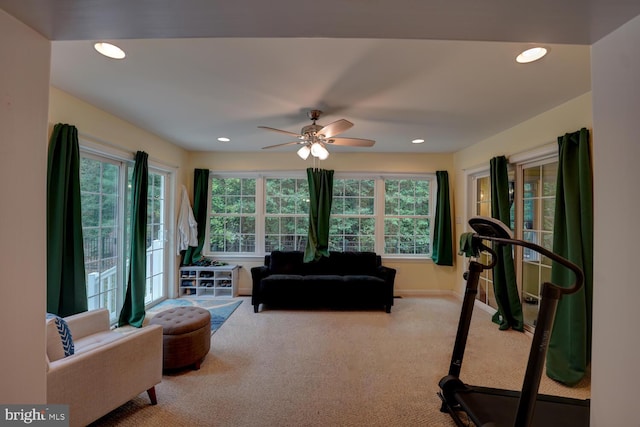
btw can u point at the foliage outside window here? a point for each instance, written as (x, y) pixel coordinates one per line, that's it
(390, 216)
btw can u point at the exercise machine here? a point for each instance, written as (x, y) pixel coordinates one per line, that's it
(492, 407)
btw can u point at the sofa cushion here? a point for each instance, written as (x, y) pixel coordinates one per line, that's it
(59, 339)
(354, 263)
(96, 340)
(282, 262)
(369, 280)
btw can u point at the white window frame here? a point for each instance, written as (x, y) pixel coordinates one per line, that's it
(260, 208)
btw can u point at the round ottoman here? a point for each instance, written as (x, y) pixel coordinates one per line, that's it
(186, 336)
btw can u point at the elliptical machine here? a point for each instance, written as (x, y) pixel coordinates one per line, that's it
(492, 407)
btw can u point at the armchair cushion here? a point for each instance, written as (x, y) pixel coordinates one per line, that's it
(59, 339)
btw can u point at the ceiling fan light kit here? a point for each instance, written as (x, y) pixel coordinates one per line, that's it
(304, 152)
(314, 138)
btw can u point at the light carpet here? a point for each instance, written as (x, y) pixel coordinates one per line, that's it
(220, 309)
(335, 368)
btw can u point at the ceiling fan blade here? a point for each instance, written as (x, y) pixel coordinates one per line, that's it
(335, 128)
(282, 145)
(353, 142)
(286, 132)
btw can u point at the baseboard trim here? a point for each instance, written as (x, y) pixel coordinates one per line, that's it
(424, 293)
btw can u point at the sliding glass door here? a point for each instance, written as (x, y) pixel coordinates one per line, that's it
(106, 201)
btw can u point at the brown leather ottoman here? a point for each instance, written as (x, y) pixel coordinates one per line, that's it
(186, 336)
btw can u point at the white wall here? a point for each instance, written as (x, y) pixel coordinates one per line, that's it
(24, 89)
(615, 74)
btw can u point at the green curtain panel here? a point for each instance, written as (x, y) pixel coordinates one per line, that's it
(570, 345)
(133, 312)
(509, 314)
(320, 195)
(200, 195)
(66, 282)
(442, 235)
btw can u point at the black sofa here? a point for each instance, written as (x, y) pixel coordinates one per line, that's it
(341, 280)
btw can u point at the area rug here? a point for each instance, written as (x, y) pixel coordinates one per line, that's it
(220, 309)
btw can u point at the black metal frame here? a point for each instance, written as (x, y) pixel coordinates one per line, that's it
(551, 295)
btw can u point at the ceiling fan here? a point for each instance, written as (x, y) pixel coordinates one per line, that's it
(315, 138)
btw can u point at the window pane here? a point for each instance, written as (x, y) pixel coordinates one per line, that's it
(407, 220)
(233, 214)
(100, 213)
(538, 198)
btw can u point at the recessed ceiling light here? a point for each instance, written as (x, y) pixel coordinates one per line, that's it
(531, 55)
(109, 50)
(417, 141)
(223, 139)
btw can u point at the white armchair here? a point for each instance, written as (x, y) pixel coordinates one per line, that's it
(107, 369)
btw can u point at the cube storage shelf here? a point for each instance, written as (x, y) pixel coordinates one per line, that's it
(214, 282)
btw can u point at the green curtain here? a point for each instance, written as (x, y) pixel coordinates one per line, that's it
(442, 236)
(66, 282)
(132, 312)
(200, 196)
(320, 195)
(570, 345)
(509, 314)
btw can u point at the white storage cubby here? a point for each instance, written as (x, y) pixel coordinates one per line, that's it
(220, 282)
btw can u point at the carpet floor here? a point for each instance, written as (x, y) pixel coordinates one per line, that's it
(335, 368)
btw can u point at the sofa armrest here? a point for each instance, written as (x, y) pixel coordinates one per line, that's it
(388, 274)
(88, 323)
(99, 380)
(257, 274)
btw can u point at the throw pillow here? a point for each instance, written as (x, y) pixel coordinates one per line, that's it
(65, 334)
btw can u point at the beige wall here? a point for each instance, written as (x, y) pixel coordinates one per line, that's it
(110, 133)
(414, 277)
(530, 135)
(24, 82)
(96, 125)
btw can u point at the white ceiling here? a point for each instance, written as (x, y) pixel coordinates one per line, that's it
(402, 69)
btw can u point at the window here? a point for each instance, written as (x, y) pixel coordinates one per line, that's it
(353, 221)
(538, 191)
(105, 205)
(482, 207)
(101, 183)
(233, 215)
(286, 219)
(256, 215)
(156, 205)
(407, 219)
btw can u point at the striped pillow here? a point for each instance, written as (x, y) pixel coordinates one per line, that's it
(65, 334)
